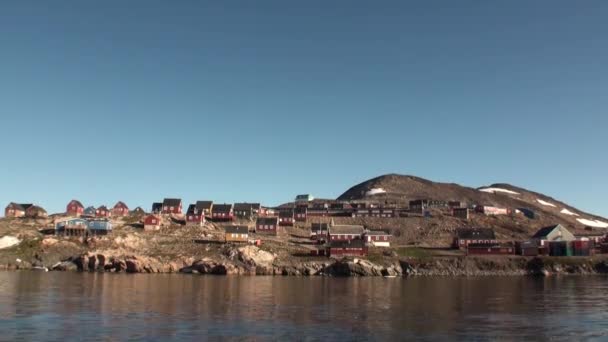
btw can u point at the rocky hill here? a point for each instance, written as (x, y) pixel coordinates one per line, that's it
(402, 188)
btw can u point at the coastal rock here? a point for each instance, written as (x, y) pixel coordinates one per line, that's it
(357, 268)
(132, 265)
(64, 266)
(209, 266)
(253, 256)
(101, 262)
(92, 263)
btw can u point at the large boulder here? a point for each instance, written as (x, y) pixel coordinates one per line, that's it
(355, 268)
(133, 265)
(209, 266)
(253, 256)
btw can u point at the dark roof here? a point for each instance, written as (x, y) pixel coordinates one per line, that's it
(191, 208)
(267, 220)
(237, 230)
(300, 210)
(103, 207)
(356, 243)
(16, 206)
(376, 232)
(202, 205)
(25, 206)
(222, 208)
(346, 229)
(243, 206)
(36, 208)
(172, 202)
(286, 212)
(77, 203)
(544, 231)
(157, 206)
(315, 227)
(120, 204)
(91, 208)
(476, 233)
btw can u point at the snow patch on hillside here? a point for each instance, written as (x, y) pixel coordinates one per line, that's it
(375, 191)
(593, 223)
(568, 212)
(8, 241)
(548, 204)
(495, 190)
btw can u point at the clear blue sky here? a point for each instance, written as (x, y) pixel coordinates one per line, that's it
(259, 101)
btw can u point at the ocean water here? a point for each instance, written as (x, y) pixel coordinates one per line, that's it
(65, 306)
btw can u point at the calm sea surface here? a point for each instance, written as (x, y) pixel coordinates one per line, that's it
(81, 306)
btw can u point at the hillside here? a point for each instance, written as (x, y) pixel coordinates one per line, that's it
(402, 188)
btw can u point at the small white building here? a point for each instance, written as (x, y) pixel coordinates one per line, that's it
(305, 198)
(377, 238)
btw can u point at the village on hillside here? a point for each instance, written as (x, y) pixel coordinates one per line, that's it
(320, 228)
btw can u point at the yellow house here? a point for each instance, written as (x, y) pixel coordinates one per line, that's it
(237, 234)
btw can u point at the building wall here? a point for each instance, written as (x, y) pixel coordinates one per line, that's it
(74, 210)
(150, 227)
(10, 212)
(266, 229)
(236, 237)
(286, 221)
(344, 237)
(195, 219)
(347, 251)
(172, 210)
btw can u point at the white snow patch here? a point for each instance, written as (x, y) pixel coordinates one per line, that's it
(375, 191)
(548, 204)
(8, 241)
(593, 223)
(495, 190)
(568, 212)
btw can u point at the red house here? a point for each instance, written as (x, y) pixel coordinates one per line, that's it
(120, 209)
(300, 214)
(318, 231)
(267, 225)
(195, 216)
(16, 209)
(172, 206)
(74, 208)
(222, 212)
(474, 236)
(102, 211)
(346, 232)
(347, 248)
(152, 222)
(286, 217)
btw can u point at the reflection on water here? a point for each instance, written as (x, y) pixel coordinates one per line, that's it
(68, 306)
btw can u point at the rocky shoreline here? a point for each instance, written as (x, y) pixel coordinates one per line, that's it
(252, 261)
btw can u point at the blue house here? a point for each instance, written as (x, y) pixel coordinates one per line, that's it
(72, 227)
(100, 227)
(89, 212)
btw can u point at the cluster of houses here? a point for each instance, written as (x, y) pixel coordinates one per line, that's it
(24, 210)
(347, 240)
(553, 240)
(331, 239)
(76, 209)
